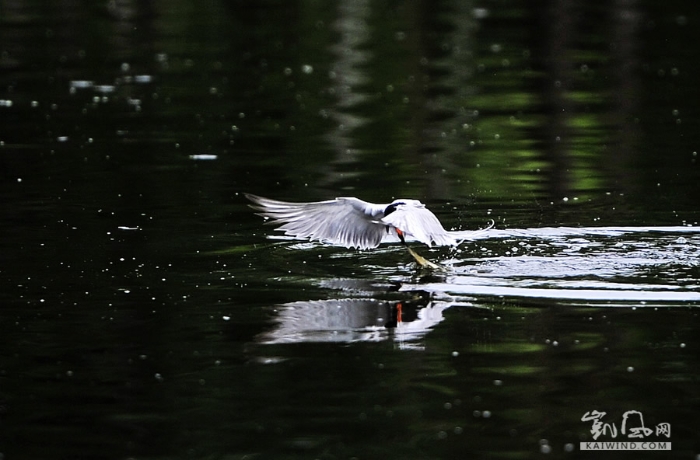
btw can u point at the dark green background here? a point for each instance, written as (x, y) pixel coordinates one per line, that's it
(121, 253)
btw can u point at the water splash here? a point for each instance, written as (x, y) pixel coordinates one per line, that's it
(621, 265)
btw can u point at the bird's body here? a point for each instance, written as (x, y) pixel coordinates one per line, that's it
(354, 223)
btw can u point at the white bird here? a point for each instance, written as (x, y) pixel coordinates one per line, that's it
(354, 223)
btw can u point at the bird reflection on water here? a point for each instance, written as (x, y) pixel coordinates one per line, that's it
(357, 319)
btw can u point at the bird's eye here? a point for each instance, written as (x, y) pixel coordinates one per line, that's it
(392, 207)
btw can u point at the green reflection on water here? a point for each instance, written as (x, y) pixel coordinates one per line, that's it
(509, 347)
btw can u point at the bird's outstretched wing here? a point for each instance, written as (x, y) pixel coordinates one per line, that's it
(342, 221)
(417, 222)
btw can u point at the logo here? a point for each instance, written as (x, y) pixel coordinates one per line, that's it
(632, 428)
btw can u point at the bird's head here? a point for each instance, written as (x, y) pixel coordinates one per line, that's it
(402, 203)
(409, 203)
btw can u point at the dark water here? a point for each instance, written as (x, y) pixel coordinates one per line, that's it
(146, 312)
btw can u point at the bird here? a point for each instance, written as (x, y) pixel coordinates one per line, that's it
(354, 223)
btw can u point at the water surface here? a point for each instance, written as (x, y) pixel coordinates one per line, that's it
(146, 312)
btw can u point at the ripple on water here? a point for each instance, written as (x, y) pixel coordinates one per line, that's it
(623, 265)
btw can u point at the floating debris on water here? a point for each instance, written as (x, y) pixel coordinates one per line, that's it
(82, 84)
(204, 157)
(105, 88)
(143, 78)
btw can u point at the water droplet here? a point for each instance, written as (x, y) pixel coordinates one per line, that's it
(203, 157)
(480, 13)
(81, 84)
(104, 89)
